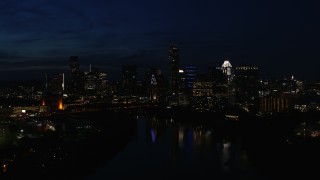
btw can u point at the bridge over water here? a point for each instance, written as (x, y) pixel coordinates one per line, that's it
(80, 107)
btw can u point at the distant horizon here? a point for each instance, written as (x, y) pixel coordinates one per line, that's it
(280, 37)
(115, 74)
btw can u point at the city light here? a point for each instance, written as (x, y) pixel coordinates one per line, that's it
(159, 89)
(4, 168)
(60, 104)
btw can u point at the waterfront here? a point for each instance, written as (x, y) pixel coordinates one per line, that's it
(167, 149)
(117, 145)
(74, 149)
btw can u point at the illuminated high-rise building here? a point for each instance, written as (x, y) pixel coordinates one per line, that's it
(190, 75)
(129, 79)
(173, 74)
(222, 78)
(203, 94)
(155, 85)
(277, 103)
(153, 88)
(95, 82)
(227, 70)
(247, 86)
(90, 85)
(102, 85)
(151, 83)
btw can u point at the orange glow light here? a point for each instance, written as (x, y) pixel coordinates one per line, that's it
(60, 105)
(43, 102)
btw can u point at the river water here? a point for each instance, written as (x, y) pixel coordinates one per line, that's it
(167, 149)
(122, 145)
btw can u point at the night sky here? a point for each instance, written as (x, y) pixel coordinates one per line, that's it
(38, 36)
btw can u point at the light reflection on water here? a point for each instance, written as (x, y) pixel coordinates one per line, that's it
(165, 148)
(125, 146)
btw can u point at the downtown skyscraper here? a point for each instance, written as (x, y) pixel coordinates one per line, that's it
(173, 69)
(75, 86)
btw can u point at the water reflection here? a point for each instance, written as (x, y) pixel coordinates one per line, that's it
(118, 146)
(168, 148)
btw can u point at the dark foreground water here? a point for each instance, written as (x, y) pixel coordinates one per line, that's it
(166, 149)
(121, 146)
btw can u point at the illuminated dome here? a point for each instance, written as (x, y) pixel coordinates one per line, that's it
(226, 68)
(226, 64)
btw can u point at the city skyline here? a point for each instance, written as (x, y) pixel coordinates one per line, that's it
(37, 37)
